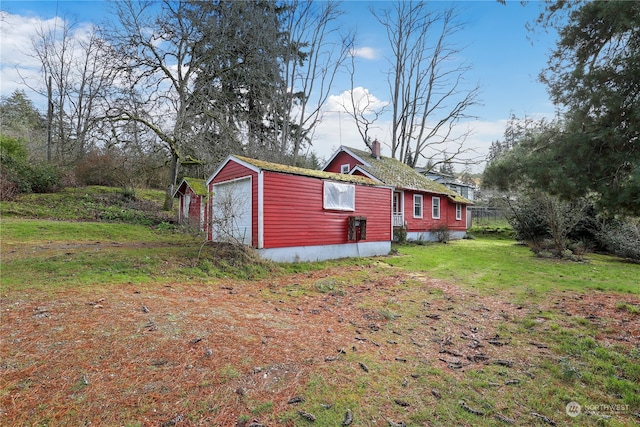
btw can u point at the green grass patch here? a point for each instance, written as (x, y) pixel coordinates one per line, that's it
(630, 308)
(18, 230)
(490, 264)
(62, 254)
(93, 203)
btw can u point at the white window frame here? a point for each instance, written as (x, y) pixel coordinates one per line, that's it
(435, 207)
(458, 212)
(345, 168)
(416, 198)
(338, 196)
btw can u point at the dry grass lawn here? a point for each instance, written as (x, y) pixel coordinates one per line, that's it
(387, 345)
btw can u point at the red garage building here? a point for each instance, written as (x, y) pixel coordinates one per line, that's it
(293, 214)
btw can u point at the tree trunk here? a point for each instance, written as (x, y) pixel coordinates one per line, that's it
(168, 200)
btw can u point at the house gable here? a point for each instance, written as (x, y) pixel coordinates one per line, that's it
(390, 172)
(230, 159)
(195, 185)
(345, 155)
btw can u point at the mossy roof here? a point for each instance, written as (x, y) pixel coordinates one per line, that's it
(199, 186)
(397, 174)
(294, 170)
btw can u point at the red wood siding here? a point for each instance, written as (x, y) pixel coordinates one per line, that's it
(341, 159)
(234, 170)
(194, 208)
(427, 223)
(294, 213)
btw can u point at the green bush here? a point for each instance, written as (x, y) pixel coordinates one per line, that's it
(529, 222)
(44, 178)
(12, 149)
(622, 238)
(548, 223)
(443, 234)
(400, 235)
(22, 176)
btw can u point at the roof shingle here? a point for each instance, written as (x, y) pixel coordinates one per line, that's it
(395, 173)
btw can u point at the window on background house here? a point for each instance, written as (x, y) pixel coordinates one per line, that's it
(345, 168)
(435, 207)
(458, 211)
(417, 205)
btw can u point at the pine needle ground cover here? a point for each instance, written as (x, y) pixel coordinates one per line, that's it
(381, 342)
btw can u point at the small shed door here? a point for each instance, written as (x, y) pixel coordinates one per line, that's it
(231, 214)
(186, 206)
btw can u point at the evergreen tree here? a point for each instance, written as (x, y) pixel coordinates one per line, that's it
(21, 120)
(239, 84)
(594, 77)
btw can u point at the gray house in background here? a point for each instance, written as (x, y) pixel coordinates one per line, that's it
(465, 190)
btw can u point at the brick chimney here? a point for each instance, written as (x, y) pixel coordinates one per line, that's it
(375, 149)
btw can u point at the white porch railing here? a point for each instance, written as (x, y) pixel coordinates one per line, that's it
(398, 220)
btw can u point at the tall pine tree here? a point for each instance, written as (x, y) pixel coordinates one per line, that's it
(594, 78)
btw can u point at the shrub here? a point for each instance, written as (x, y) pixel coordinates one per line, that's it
(443, 234)
(21, 176)
(12, 148)
(100, 168)
(546, 223)
(528, 222)
(622, 238)
(8, 190)
(400, 235)
(45, 178)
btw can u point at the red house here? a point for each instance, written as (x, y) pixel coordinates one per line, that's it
(420, 206)
(293, 214)
(192, 193)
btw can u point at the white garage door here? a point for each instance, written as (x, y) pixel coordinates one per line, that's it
(231, 214)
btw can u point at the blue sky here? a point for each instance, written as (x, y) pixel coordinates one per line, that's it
(505, 57)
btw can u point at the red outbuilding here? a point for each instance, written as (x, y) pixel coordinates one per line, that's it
(421, 206)
(294, 214)
(192, 193)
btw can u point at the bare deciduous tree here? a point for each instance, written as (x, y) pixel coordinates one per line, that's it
(154, 43)
(363, 107)
(312, 28)
(429, 95)
(78, 75)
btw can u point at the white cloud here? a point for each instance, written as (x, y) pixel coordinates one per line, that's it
(365, 101)
(338, 128)
(17, 65)
(366, 53)
(20, 69)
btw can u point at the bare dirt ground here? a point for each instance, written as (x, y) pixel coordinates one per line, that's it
(233, 353)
